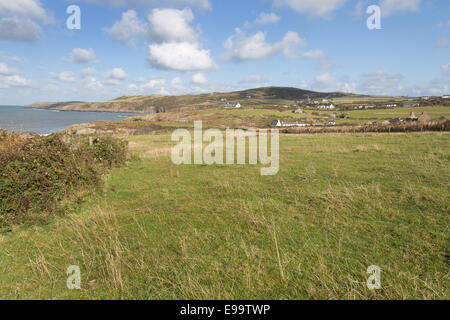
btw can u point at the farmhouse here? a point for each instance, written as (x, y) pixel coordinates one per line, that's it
(232, 105)
(327, 107)
(278, 123)
(393, 105)
(424, 117)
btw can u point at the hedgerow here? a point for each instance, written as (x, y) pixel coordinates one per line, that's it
(37, 174)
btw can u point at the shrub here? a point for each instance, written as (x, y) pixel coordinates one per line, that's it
(36, 174)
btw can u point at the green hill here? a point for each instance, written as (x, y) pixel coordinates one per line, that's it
(157, 103)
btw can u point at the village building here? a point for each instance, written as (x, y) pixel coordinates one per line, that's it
(279, 123)
(232, 105)
(327, 107)
(393, 105)
(445, 97)
(424, 117)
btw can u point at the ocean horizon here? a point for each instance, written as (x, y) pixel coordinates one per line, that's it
(43, 122)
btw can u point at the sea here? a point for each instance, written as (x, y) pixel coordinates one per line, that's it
(45, 122)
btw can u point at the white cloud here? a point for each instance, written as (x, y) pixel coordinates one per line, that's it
(80, 56)
(183, 56)
(240, 47)
(313, 54)
(154, 83)
(171, 25)
(7, 82)
(254, 78)
(5, 57)
(65, 76)
(7, 71)
(265, 18)
(128, 28)
(18, 29)
(313, 8)
(176, 45)
(389, 7)
(380, 82)
(116, 74)
(19, 20)
(199, 78)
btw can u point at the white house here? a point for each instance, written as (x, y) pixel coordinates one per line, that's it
(327, 107)
(445, 97)
(278, 123)
(232, 105)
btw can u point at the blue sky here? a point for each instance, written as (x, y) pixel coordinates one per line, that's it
(194, 46)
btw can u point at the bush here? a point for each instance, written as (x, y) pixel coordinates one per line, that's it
(36, 174)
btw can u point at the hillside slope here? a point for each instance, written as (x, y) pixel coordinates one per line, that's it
(159, 103)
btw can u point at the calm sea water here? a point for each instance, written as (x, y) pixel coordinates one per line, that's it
(20, 119)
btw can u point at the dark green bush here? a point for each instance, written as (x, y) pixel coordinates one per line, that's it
(36, 174)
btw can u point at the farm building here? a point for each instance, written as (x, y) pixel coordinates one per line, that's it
(278, 123)
(327, 107)
(232, 105)
(424, 117)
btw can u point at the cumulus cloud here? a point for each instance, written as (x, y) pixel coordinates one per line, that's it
(117, 74)
(266, 18)
(5, 57)
(7, 82)
(380, 82)
(172, 25)
(80, 56)
(313, 8)
(182, 56)
(128, 29)
(19, 20)
(176, 45)
(65, 76)
(10, 77)
(199, 78)
(240, 47)
(7, 71)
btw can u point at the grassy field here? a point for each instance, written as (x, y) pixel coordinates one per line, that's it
(339, 204)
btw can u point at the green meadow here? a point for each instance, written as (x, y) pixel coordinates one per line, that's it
(339, 204)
